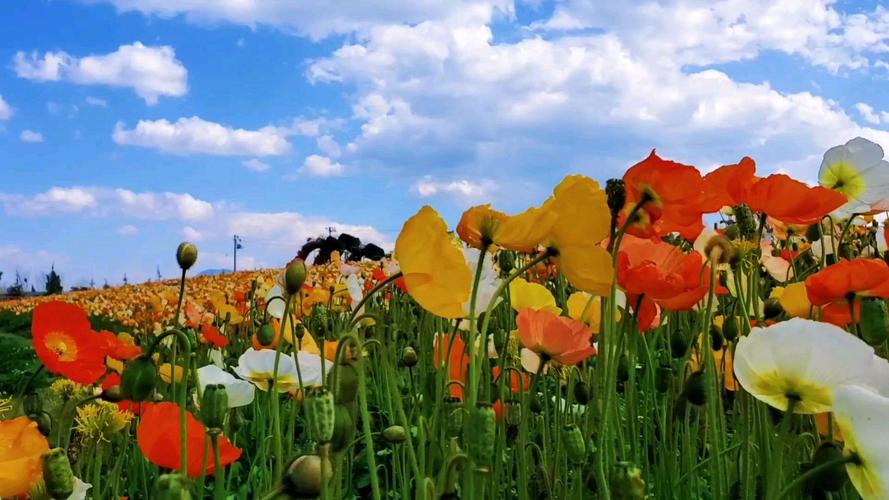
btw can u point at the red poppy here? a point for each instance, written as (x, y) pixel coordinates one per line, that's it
(123, 406)
(158, 438)
(66, 344)
(213, 337)
(834, 286)
(660, 274)
(727, 185)
(117, 348)
(562, 339)
(457, 359)
(671, 192)
(791, 201)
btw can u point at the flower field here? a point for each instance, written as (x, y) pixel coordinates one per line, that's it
(669, 334)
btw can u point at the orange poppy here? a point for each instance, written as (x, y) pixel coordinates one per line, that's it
(516, 383)
(791, 201)
(116, 348)
(212, 336)
(727, 185)
(670, 191)
(562, 339)
(158, 438)
(833, 287)
(66, 344)
(458, 362)
(21, 447)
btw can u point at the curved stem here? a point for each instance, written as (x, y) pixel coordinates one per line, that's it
(814, 471)
(370, 294)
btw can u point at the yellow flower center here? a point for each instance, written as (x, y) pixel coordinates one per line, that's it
(62, 345)
(844, 178)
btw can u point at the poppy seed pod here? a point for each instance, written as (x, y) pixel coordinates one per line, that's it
(186, 255)
(394, 434)
(506, 261)
(617, 194)
(214, 407)
(171, 487)
(482, 428)
(874, 321)
(303, 476)
(138, 380)
(320, 413)
(57, 474)
(295, 276)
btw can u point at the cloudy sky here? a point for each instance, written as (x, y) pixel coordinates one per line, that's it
(127, 126)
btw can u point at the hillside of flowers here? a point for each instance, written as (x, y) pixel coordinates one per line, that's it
(669, 334)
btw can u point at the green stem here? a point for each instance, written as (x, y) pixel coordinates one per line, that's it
(814, 471)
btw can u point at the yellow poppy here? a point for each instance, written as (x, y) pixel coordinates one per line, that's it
(435, 270)
(525, 295)
(793, 299)
(224, 310)
(21, 446)
(577, 303)
(522, 232)
(166, 372)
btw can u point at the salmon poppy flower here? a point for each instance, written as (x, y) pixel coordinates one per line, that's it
(452, 352)
(669, 193)
(435, 270)
(212, 336)
(158, 438)
(834, 286)
(562, 339)
(21, 447)
(116, 348)
(66, 344)
(727, 185)
(791, 201)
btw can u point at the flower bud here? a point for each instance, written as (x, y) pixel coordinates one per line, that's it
(874, 321)
(627, 482)
(453, 409)
(214, 407)
(171, 487)
(813, 232)
(138, 380)
(695, 389)
(303, 476)
(186, 255)
(44, 423)
(295, 276)
(575, 444)
(320, 414)
(617, 194)
(482, 428)
(346, 387)
(409, 357)
(731, 328)
(395, 434)
(582, 392)
(506, 261)
(57, 474)
(266, 335)
(719, 250)
(833, 478)
(343, 428)
(32, 404)
(678, 344)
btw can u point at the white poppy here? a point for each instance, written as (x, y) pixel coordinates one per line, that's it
(216, 358)
(824, 246)
(488, 282)
(275, 306)
(258, 367)
(356, 291)
(861, 415)
(240, 392)
(858, 170)
(80, 490)
(804, 361)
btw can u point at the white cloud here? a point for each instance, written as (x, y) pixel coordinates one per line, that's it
(31, 136)
(195, 135)
(128, 230)
(288, 231)
(74, 199)
(316, 19)
(191, 234)
(148, 205)
(872, 116)
(256, 165)
(321, 166)
(151, 72)
(329, 146)
(96, 101)
(460, 188)
(5, 110)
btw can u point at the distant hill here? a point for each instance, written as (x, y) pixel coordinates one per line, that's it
(213, 272)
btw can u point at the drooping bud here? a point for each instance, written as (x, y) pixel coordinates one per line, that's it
(731, 327)
(343, 428)
(295, 276)
(482, 432)
(695, 389)
(266, 335)
(813, 232)
(138, 380)
(874, 321)
(57, 474)
(719, 250)
(716, 339)
(395, 434)
(617, 194)
(44, 423)
(627, 482)
(663, 378)
(303, 478)
(833, 478)
(678, 344)
(171, 487)
(409, 357)
(582, 392)
(506, 261)
(575, 444)
(214, 407)
(320, 414)
(346, 387)
(186, 255)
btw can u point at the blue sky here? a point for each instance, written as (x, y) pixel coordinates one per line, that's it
(127, 126)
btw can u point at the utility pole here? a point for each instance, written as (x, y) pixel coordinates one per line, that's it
(236, 243)
(330, 230)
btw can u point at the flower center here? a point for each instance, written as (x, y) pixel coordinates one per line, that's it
(63, 345)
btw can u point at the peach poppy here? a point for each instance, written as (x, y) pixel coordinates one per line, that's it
(833, 287)
(671, 192)
(116, 348)
(791, 201)
(21, 447)
(727, 185)
(158, 438)
(454, 351)
(212, 336)
(562, 339)
(66, 344)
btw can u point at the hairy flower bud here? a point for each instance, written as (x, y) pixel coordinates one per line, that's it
(617, 194)
(575, 444)
(295, 276)
(186, 255)
(409, 357)
(395, 434)
(139, 379)
(57, 474)
(482, 428)
(214, 407)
